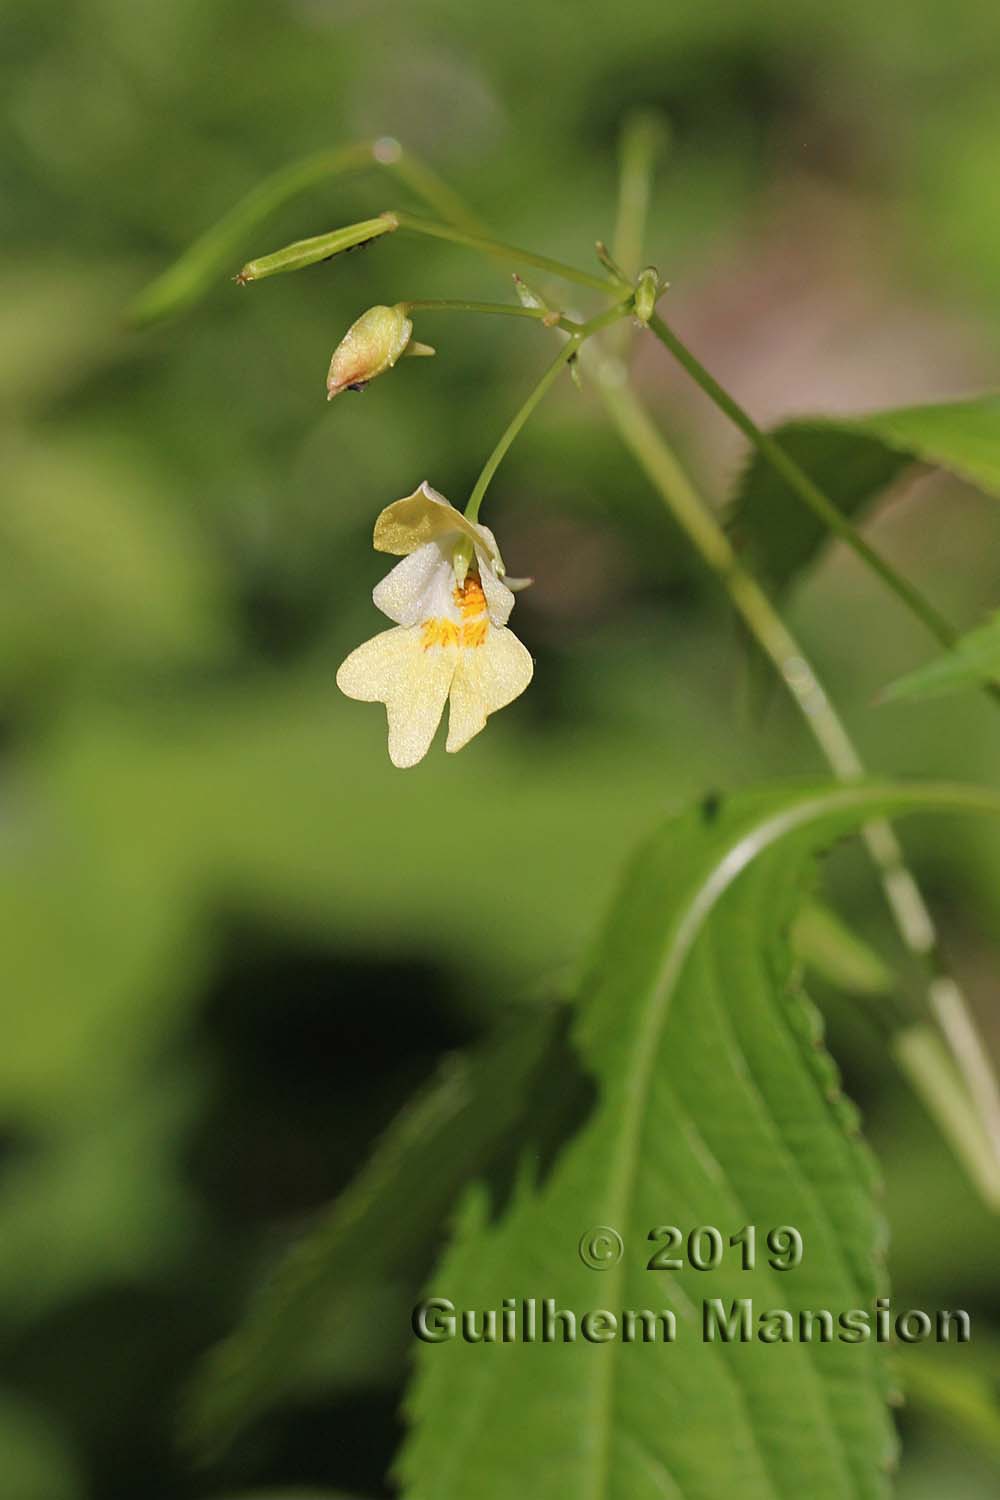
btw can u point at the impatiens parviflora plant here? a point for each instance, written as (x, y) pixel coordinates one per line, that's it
(450, 600)
(970, 1114)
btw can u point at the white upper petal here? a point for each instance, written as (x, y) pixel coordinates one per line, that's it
(488, 542)
(419, 587)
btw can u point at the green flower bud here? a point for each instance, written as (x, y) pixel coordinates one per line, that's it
(647, 289)
(370, 346)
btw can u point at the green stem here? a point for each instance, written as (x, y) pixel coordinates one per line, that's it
(643, 138)
(426, 185)
(582, 332)
(913, 919)
(501, 309)
(921, 1057)
(798, 480)
(207, 259)
(511, 253)
(514, 426)
(647, 445)
(643, 135)
(969, 1115)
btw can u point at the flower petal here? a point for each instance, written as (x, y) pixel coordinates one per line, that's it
(394, 668)
(418, 587)
(499, 599)
(426, 516)
(488, 542)
(487, 677)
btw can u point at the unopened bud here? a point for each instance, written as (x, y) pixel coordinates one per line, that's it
(528, 297)
(370, 346)
(647, 289)
(525, 295)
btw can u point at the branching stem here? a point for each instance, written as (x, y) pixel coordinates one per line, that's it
(978, 1143)
(569, 350)
(500, 250)
(805, 488)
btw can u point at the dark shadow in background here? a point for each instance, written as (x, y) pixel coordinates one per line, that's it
(310, 1054)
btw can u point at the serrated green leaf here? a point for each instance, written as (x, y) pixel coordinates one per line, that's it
(718, 1107)
(974, 660)
(853, 459)
(384, 1229)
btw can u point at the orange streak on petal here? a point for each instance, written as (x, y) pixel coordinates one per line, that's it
(474, 633)
(438, 632)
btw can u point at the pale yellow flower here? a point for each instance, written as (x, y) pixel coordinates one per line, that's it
(451, 642)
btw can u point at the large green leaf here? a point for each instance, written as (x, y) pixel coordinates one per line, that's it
(853, 459)
(975, 660)
(718, 1106)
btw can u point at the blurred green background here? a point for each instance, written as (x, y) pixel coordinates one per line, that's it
(234, 938)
